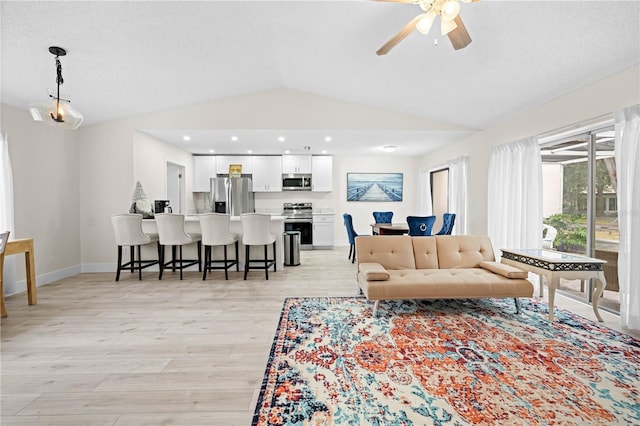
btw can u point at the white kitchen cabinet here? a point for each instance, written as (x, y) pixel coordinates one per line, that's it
(322, 173)
(223, 162)
(267, 173)
(204, 168)
(296, 164)
(323, 231)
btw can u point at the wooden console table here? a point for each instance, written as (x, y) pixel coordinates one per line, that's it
(23, 246)
(553, 265)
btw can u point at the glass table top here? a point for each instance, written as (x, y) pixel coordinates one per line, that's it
(552, 255)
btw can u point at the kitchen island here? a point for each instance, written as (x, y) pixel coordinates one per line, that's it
(192, 225)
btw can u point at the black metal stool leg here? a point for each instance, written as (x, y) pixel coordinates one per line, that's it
(237, 259)
(161, 254)
(275, 258)
(206, 261)
(266, 263)
(132, 257)
(226, 268)
(139, 264)
(119, 263)
(246, 262)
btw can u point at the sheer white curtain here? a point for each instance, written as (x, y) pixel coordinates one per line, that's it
(425, 206)
(6, 210)
(515, 195)
(628, 187)
(458, 193)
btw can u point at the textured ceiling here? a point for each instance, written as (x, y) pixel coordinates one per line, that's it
(129, 58)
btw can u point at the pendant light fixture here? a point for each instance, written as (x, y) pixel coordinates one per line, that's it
(58, 112)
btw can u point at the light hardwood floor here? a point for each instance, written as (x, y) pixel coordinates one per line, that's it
(97, 352)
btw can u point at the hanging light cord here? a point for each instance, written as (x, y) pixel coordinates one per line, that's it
(60, 81)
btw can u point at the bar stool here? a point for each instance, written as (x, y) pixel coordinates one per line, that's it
(127, 228)
(255, 232)
(171, 233)
(215, 232)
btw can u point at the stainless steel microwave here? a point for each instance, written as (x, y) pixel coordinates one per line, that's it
(296, 182)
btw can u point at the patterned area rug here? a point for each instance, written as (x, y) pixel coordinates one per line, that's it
(446, 363)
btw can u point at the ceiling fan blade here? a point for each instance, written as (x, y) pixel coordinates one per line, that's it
(459, 37)
(404, 32)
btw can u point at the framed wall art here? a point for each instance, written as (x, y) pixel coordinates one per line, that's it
(374, 187)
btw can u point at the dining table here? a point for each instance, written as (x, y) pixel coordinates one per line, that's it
(389, 228)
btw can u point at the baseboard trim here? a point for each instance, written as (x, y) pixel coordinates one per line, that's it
(42, 279)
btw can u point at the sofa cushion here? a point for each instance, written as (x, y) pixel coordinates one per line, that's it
(390, 251)
(425, 252)
(445, 284)
(504, 270)
(373, 272)
(463, 251)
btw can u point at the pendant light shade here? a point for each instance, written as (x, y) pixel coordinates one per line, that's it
(57, 112)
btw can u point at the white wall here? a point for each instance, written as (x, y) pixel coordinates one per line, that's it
(106, 185)
(337, 199)
(68, 183)
(596, 100)
(45, 167)
(150, 158)
(115, 155)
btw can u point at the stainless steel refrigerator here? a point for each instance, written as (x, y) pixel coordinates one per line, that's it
(233, 196)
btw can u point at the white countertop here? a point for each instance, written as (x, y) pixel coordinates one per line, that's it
(196, 217)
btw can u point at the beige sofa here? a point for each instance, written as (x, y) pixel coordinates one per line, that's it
(438, 267)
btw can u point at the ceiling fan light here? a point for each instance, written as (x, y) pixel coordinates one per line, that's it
(426, 5)
(424, 24)
(450, 10)
(447, 26)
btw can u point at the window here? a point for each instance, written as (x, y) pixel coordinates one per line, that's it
(580, 202)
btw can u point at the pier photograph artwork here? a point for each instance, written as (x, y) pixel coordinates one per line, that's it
(374, 186)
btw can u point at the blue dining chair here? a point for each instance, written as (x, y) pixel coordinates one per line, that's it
(352, 234)
(382, 217)
(448, 220)
(420, 225)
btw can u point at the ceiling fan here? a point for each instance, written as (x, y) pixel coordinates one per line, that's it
(450, 22)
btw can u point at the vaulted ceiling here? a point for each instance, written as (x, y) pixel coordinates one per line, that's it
(130, 58)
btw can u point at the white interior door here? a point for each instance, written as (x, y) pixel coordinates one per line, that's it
(176, 187)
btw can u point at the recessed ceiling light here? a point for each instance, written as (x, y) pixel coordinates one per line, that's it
(327, 139)
(249, 151)
(281, 139)
(324, 151)
(186, 138)
(389, 148)
(287, 151)
(234, 138)
(212, 151)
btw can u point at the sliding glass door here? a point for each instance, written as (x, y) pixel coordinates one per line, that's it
(580, 205)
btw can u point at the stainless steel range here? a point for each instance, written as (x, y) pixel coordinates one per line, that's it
(299, 217)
